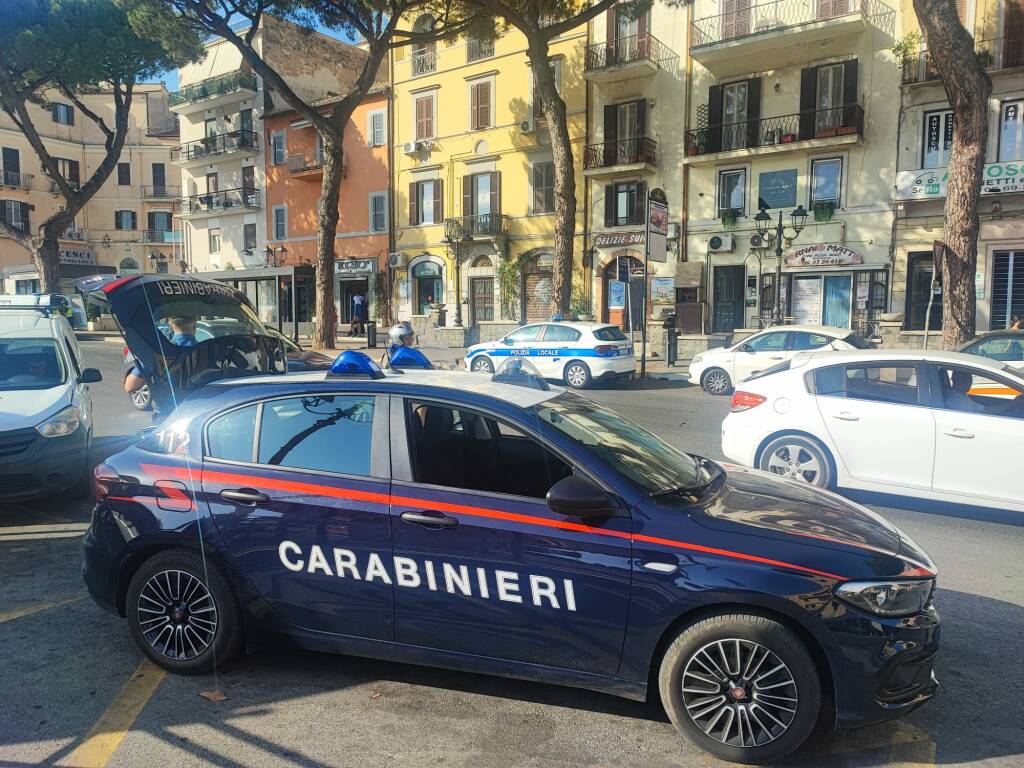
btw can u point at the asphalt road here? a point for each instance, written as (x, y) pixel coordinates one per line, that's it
(75, 691)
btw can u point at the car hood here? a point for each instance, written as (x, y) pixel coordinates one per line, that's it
(484, 345)
(308, 360)
(753, 499)
(28, 407)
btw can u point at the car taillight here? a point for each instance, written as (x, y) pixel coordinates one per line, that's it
(744, 401)
(125, 353)
(104, 476)
(605, 349)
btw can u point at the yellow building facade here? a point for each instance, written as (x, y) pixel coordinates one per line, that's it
(926, 135)
(473, 183)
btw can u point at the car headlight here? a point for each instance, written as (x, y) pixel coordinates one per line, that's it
(887, 598)
(61, 424)
(696, 359)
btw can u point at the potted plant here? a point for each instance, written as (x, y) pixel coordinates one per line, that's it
(823, 210)
(579, 304)
(846, 130)
(729, 217)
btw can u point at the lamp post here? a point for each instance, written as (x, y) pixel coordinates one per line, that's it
(763, 221)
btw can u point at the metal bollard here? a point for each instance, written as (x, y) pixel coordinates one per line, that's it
(671, 339)
(371, 334)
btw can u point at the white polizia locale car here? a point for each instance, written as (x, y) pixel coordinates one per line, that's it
(719, 370)
(938, 425)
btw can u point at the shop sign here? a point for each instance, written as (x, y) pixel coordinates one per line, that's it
(657, 229)
(618, 239)
(663, 290)
(823, 255)
(616, 294)
(348, 266)
(930, 184)
(777, 188)
(75, 256)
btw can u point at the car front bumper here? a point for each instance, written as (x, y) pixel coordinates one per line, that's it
(40, 465)
(883, 667)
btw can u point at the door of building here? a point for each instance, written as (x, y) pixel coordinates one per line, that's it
(481, 290)
(537, 288)
(348, 289)
(836, 309)
(728, 309)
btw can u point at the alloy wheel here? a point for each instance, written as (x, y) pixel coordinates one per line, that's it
(739, 692)
(140, 398)
(177, 614)
(576, 375)
(717, 382)
(482, 365)
(796, 462)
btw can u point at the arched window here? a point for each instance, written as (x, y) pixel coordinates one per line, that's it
(482, 261)
(427, 286)
(128, 265)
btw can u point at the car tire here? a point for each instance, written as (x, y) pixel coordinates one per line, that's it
(576, 374)
(141, 399)
(731, 715)
(199, 608)
(716, 381)
(482, 364)
(800, 458)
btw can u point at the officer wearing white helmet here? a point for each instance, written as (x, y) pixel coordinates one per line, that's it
(400, 352)
(401, 335)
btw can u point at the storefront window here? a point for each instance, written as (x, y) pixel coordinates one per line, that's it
(1011, 130)
(1007, 287)
(920, 267)
(938, 138)
(427, 287)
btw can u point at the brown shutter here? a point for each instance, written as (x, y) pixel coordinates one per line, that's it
(474, 107)
(714, 118)
(414, 215)
(640, 213)
(850, 89)
(609, 205)
(467, 195)
(25, 208)
(73, 171)
(538, 194)
(611, 132)
(495, 193)
(484, 105)
(961, 10)
(151, 221)
(754, 112)
(438, 201)
(135, 220)
(808, 85)
(428, 116)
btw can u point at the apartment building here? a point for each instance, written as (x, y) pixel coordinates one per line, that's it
(634, 67)
(794, 105)
(127, 226)
(473, 182)
(925, 141)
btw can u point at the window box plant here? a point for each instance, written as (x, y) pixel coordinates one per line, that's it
(729, 217)
(823, 210)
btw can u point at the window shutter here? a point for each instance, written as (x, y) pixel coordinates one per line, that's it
(428, 116)
(640, 212)
(611, 132)
(714, 118)
(151, 221)
(134, 218)
(71, 115)
(609, 205)
(754, 112)
(73, 171)
(25, 208)
(850, 89)
(808, 85)
(641, 118)
(12, 160)
(54, 108)
(611, 27)
(467, 195)
(538, 182)
(474, 107)
(484, 105)
(495, 193)
(961, 11)
(414, 216)
(438, 201)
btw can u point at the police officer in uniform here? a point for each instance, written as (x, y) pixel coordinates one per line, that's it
(400, 352)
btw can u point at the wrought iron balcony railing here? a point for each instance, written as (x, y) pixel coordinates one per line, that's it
(220, 201)
(16, 179)
(479, 49)
(769, 17)
(769, 131)
(311, 160)
(478, 225)
(215, 86)
(626, 50)
(994, 54)
(423, 62)
(161, 236)
(622, 152)
(220, 144)
(160, 192)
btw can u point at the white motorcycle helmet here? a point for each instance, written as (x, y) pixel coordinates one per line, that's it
(401, 335)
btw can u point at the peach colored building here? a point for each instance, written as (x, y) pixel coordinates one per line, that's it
(294, 171)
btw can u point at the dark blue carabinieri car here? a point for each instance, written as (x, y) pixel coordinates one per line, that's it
(459, 520)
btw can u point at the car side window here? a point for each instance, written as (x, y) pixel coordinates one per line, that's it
(802, 340)
(231, 436)
(968, 390)
(896, 383)
(526, 333)
(769, 342)
(1005, 349)
(328, 433)
(74, 358)
(463, 449)
(559, 333)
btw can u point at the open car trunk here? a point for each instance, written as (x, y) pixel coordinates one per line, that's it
(185, 332)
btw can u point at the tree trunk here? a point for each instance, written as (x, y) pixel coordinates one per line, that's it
(565, 175)
(46, 257)
(968, 88)
(327, 224)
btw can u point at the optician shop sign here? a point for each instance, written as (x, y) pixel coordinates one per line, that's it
(930, 184)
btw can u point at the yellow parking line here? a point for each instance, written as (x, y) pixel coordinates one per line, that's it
(28, 610)
(108, 733)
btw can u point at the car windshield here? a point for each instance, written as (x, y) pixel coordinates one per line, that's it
(857, 342)
(645, 459)
(609, 333)
(31, 364)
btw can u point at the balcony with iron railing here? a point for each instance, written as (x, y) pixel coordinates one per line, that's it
(16, 179)
(161, 236)
(839, 125)
(160, 192)
(477, 225)
(994, 54)
(225, 201)
(771, 33)
(207, 94)
(479, 49)
(197, 152)
(423, 61)
(306, 164)
(625, 58)
(624, 155)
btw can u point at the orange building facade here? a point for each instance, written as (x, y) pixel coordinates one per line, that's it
(294, 172)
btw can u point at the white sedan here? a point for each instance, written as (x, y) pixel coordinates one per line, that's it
(719, 370)
(936, 425)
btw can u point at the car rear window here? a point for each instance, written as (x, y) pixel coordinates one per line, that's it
(857, 342)
(609, 333)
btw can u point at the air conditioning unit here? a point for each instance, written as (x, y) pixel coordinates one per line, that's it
(528, 126)
(411, 147)
(720, 243)
(756, 241)
(396, 260)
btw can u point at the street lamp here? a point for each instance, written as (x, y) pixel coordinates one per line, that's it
(763, 220)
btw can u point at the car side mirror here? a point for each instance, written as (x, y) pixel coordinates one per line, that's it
(746, 348)
(578, 497)
(90, 376)
(507, 341)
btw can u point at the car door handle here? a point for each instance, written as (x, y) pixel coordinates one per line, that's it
(430, 518)
(777, 358)
(963, 434)
(244, 496)
(846, 416)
